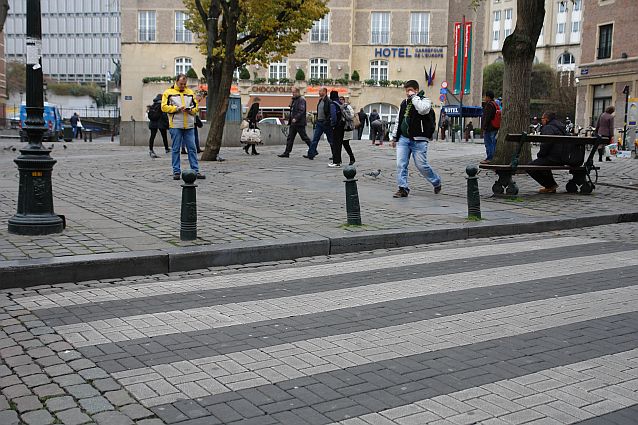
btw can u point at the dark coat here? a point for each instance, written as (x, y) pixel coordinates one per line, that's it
(363, 119)
(559, 153)
(298, 111)
(605, 125)
(251, 117)
(374, 116)
(489, 112)
(162, 123)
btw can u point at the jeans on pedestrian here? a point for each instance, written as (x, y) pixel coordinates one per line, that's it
(322, 127)
(293, 130)
(419, 152)
(184, 137)
(489, 138)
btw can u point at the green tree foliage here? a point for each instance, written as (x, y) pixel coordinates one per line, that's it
(237, 32)
(542, 81)
(244, 74)
(191, 73)
(300, 75)
(493, 78)
(355, 75)
(16, 77)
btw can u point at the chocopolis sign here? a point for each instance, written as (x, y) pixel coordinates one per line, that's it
(408, 52)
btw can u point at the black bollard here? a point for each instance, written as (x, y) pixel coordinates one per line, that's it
(473, 196)
(352, 196)
(188, 218)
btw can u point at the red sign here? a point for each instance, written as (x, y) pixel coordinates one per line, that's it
(444, 85)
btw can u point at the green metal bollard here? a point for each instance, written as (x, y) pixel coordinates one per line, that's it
(473, 195)
(352, 196)
(188, 218)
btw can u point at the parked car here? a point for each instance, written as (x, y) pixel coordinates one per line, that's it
(273, 120)
(52, 121)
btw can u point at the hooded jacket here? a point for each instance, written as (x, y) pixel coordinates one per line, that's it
(560, 153)
(162, 123)
(172, 100)
(419, 119)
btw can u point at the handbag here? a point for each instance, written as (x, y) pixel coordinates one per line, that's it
(251, 135)
(244, 124)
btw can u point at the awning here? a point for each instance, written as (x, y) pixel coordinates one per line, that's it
(281, 102)
(468, 111)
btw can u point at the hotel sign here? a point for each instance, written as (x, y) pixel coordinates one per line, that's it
(408, 52)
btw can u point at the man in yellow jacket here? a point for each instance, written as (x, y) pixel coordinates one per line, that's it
(180, 105)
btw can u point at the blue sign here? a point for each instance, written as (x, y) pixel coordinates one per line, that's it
(442, 98)
(443, 91)
(468, 111)
(584, 71)
(408, 52)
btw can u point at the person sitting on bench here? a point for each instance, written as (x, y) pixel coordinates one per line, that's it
(550, 153)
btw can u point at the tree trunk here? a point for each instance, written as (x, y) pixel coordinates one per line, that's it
(518, 54)
(4, 10)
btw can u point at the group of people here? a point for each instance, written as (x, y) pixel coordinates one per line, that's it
(336, 120)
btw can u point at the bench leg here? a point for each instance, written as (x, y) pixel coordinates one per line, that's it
(504, 184)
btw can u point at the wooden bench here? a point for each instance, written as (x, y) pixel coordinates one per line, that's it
(581, 174)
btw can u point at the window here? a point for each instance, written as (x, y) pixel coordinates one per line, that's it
(497, 16)
(146, 24)
(508, 14)
(182, 35)
(601, 100)
(320, 30)
(562, 7)
(578, 4)
(318, 68)
(566, 59)
(576, 26)
(278, 70)
(419, 23)
(380, 28)
(561, 28)
(182, 65)
(604, 41)
(496, 36)
(379, 70)
(508, 31)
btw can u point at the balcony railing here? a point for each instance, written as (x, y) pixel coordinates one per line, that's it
(419, 37)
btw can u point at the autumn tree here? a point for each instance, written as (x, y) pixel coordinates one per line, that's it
(233, 33)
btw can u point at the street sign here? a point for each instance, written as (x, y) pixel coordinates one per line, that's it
(444, 85)
(442, 98)
(443, 91)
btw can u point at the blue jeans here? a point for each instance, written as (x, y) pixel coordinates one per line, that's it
(183, 137)
(419, 152)
(321, 128)
(489, 138)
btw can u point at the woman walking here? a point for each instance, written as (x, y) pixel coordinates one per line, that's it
(348, 114)
(251, 117)
(157, 121)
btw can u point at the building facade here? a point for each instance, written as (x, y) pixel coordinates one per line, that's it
(80, 38)
(560, 39)
(609, 61)
(383, 40)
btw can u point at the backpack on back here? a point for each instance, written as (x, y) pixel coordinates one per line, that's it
(496, 121)
(347, 118)
(155, 112)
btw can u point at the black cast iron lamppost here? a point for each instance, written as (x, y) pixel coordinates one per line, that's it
(35, 214)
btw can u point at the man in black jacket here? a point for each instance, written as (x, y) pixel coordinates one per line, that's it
(296, 122)
(323, 123)
(551, 153)
(414, 129)
(363, 122)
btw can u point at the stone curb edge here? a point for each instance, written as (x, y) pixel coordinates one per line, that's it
(49, 271)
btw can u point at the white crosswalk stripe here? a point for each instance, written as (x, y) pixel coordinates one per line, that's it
(96, 295)
(578, 391)
(251, 368)
(172, 322)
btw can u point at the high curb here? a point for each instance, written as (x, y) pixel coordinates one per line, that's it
(27, 273)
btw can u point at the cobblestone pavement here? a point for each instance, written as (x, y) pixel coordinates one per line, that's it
(539, 328)
(116, 199)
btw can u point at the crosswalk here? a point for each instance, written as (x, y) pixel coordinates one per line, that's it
(537, 330)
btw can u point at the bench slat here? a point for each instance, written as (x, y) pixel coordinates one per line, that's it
(535, 138)
(529, 167)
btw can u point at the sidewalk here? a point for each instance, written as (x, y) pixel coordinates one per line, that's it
(120, 205)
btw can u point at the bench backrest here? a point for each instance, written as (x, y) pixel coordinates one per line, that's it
(539, 138)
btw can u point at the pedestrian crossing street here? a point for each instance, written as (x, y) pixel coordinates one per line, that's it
(541, 330)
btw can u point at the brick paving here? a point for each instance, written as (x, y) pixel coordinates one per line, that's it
(117, 199)
(524, 329)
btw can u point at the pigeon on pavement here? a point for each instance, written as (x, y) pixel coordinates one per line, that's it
(374, 174)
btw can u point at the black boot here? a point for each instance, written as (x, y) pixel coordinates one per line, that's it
(246, 148)
(601, 151)
(255, 150)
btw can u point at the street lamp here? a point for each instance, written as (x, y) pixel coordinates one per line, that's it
(35, 214)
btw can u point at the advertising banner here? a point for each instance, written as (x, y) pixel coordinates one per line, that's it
(457, 58)
(467, 58)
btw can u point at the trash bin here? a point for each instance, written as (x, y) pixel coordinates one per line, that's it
(88, 135)
(67, 134)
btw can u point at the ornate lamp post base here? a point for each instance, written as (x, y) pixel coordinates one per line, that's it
(35, 214)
